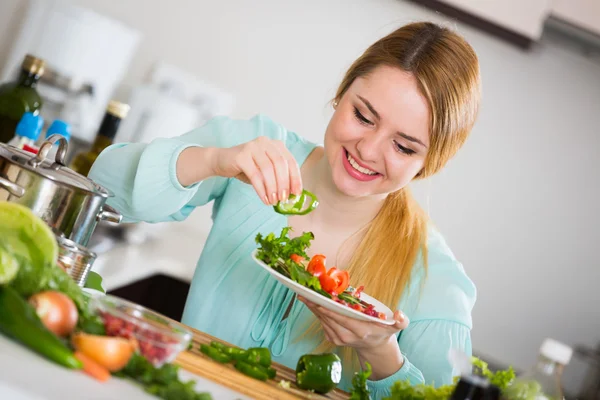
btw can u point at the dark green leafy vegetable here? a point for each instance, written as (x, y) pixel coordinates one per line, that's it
(94, 281)
(404, 390)
(162, 382)
(276, 252)
(359, 390)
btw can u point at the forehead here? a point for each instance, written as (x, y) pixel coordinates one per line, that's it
(396, 96)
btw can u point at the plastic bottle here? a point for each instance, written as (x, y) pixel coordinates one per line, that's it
(27, 132)
(61, 128)
(543, 380)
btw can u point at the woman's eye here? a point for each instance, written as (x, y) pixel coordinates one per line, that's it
(361, 118)
(403, 149)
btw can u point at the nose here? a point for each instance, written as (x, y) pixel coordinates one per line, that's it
(369, 148)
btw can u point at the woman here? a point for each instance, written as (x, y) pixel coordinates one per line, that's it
(402, 111)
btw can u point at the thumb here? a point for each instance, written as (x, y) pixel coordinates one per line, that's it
(401, 319)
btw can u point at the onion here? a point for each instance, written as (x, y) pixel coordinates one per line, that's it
(56, 310)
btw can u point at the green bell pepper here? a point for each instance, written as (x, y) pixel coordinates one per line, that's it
(19, 321)
(258, 356)
(253, 371)
(297, 207)
(214, 353)
(319, 372)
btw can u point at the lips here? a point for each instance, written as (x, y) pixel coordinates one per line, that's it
(356, 169)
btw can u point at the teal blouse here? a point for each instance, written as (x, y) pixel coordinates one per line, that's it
(234, 299)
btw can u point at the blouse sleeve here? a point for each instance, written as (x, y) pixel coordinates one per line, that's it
(143, 178)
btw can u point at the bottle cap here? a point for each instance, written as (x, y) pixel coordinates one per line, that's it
(556, 351)
(117, 109)
(33, 65)
(59, 127)
(30, 126)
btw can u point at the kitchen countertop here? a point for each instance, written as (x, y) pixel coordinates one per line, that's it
(25, 375)
(173, 250)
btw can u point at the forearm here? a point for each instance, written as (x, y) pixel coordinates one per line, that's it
(385, 360)
(195, 164)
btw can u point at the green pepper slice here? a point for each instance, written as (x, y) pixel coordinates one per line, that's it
(215, 353)
(297, 207)
(258, 356)
(253, 371)
(319, 372)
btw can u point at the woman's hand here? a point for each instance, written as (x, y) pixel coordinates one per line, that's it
(373, 342)
(264, 163)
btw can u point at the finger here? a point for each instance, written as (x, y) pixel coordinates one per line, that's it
(268, 174)
(331, 333)
(252, 172)
(356, 327)
(401, 319)
(295, 177)
(282, 175)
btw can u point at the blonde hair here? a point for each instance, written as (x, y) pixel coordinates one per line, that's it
(447, 71)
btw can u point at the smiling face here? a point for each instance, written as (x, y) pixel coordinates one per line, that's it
(377, 139)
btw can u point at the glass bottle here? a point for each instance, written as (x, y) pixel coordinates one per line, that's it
(20, 96)
(115, 113)
(27, 132)
(543, 381)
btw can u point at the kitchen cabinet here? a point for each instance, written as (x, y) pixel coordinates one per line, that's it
(584, 14)
(523, 17)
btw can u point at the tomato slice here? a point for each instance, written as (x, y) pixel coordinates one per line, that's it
(316, 266)
(342, 279)
(297, 259)
(328, 284)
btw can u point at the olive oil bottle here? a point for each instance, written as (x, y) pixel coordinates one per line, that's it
(20, 96)
(115, 113)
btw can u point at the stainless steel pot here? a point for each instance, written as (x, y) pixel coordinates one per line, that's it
(76, 260)
(67, 201)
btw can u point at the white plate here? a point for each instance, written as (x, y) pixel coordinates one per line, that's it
(321, 300)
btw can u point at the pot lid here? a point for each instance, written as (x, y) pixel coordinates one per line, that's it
(52, 169)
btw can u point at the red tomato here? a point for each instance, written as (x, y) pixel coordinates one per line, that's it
(357, 307)
(296, 258)
(316, 266)
(341, 278)
(328, 284)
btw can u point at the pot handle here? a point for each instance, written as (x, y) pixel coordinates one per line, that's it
(12, 188)
(45, 148)
(109, 214)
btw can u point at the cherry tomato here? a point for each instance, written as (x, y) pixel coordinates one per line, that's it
(341, 278)
(328, 284)
(316, 266)
(296, 258)
(56, 310)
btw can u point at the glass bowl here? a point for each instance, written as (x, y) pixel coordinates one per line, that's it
(159, 338)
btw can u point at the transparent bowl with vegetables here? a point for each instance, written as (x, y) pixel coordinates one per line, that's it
(159, 338)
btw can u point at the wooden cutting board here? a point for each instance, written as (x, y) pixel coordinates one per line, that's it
(225, 374)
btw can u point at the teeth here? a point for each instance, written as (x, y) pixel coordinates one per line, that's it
(357, 167)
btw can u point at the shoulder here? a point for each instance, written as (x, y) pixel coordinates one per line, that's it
(226, 131)
(442, 289)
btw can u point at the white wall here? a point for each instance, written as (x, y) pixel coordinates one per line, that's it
(519, 203)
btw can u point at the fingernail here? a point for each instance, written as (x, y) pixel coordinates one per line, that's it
(273, 198)
(266, 200)
(283, 196)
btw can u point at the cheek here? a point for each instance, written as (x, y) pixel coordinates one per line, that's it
(402, 169)
(344, 128)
